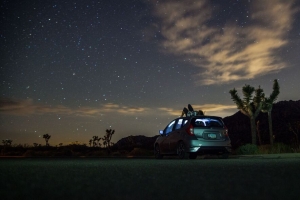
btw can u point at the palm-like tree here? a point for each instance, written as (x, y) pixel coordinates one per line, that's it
(249, 106)
(7, 142)
(268, 105)
(107, 137)
(95, 141)
(99, 144)
(47, 137)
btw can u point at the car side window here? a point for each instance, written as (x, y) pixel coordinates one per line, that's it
(169, 128)
(185, 121)
(179, 124)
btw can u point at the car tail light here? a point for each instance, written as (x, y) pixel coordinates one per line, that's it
(190, 130)
(226, 131)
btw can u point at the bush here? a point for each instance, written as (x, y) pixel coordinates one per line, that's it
(29, 153)
(98, 153)
(248, 149)
(140, 152)
(264, 149)
(280, 148)
(276, 148)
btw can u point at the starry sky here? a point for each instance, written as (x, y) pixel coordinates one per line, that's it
(73, 69)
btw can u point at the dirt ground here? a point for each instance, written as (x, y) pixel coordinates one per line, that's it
(86, 178)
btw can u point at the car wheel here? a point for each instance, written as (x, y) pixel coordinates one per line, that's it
(192, 155)
(157, 154)
(181, 150)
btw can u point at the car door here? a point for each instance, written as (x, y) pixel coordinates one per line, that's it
(164, 145)
(175, 135)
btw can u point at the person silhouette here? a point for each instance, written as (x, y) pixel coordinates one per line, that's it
(188, 112)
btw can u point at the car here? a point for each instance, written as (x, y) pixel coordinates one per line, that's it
(191, 136)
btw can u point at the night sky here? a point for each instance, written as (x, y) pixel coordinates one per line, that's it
(73, 69)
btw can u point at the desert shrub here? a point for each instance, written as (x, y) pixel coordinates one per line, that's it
(116, 153)
(264, 149)
(247, 149)
(98, 153)
(296, 150)
(29, 153)
(62, 152)
(276, 148)
(140, 152)
(280, 148)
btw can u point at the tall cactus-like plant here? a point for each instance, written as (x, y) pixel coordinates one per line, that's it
(47, 138)
(268, 105)
(107, 137)
(95, 141)
(249, 106)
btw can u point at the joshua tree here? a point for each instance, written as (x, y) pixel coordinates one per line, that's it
(7, 142)
(104, 143)
(47, 137)
(99, 142)
(268, 105)
(95, 140)
(106, 139)
(90, 142)
(249, 106)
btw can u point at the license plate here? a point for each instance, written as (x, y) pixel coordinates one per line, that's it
(212, 136)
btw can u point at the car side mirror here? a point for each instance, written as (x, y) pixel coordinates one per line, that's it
(161, 132)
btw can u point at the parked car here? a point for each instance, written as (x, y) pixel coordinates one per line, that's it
(192, 136)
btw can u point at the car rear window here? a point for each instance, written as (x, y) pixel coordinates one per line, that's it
(207, 122)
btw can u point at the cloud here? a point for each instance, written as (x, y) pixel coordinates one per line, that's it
(232, 51)
(28, 107)
(209, 109)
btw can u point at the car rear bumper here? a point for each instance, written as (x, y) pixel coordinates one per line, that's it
(213, 150)
(215, 147)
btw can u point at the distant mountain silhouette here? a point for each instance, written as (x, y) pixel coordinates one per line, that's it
(283, 114)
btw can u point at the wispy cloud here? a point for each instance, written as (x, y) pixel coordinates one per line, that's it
(28, 107)
(208, 109)
(231, 52)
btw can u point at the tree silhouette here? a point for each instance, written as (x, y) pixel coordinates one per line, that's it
(90, 142)
(7, 142)
(99, 144)
(107, 138)
(249, 106)
(104, 143)
(96, 140)
(47, 137)
(268, 105)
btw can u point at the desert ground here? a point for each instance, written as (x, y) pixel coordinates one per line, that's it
(169, 178)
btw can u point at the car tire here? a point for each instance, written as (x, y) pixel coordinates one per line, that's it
(192, 155)
(181, 152)
(157, 153)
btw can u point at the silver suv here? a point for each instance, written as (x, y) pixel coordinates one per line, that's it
(192, 136)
